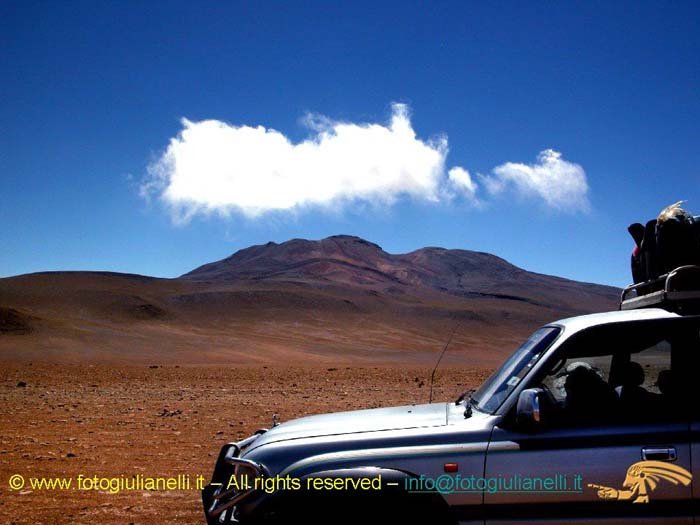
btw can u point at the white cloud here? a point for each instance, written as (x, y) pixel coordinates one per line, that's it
(463, 182)
(561, 184)
(212, 166)
(215, 167)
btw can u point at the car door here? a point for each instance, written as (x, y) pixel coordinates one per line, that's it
(624, 457)
(693, 408)
(695, 462)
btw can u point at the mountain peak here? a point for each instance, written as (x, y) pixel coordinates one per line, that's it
(351, 259)
(353, 263)
(294, 259)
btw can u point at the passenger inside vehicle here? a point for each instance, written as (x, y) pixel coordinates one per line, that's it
(635, 401)
(669, 402)
(589, 398)
(665, 383)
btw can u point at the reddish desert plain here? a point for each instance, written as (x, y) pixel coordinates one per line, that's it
(111, 421)
(116, 375)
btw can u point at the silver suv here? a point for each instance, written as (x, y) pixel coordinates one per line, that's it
(593, 418)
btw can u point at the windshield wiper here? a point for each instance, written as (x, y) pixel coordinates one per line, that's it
(467, 394)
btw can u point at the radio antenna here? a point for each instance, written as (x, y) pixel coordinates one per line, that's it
(432, 376)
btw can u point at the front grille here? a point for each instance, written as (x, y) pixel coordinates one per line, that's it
(233, 481)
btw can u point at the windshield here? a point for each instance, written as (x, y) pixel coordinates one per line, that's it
(502, 382)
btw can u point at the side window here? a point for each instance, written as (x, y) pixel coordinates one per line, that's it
(655, 364)
(556, 381)
(645, 385)
(614, 376)
(579, 391)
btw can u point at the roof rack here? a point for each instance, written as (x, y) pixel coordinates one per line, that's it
(677, 291)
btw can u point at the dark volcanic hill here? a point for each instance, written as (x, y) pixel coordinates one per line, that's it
(344, 261)
(337, 299)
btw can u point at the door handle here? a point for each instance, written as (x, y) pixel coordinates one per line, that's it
(659, 454)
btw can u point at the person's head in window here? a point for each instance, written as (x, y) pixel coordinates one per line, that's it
(632, 375)
(579, 382)
(589, 398)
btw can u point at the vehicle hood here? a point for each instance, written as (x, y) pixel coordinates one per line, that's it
(371, 420)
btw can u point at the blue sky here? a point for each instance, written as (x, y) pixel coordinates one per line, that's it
(568, 120)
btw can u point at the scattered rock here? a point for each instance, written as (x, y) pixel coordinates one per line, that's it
(169, 413)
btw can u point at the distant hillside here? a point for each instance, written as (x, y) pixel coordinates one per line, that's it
(337, 299)
(350, 262)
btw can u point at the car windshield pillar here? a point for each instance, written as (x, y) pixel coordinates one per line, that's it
(505, 379)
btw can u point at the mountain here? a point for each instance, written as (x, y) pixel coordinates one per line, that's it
(351, 262)
(338, 299)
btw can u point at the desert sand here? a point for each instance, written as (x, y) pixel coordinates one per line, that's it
(111, 421)
(120, 375)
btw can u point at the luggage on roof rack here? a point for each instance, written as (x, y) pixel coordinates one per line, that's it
(677, 291)
(665, 263)
(665, 243)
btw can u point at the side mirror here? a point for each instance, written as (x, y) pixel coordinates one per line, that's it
(528, 414)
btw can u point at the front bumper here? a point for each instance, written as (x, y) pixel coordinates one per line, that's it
(233, 481)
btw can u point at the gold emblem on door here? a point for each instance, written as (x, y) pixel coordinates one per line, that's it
(642, 479)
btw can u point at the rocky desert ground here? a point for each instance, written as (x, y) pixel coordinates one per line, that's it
(117, 376)
(110, 421)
